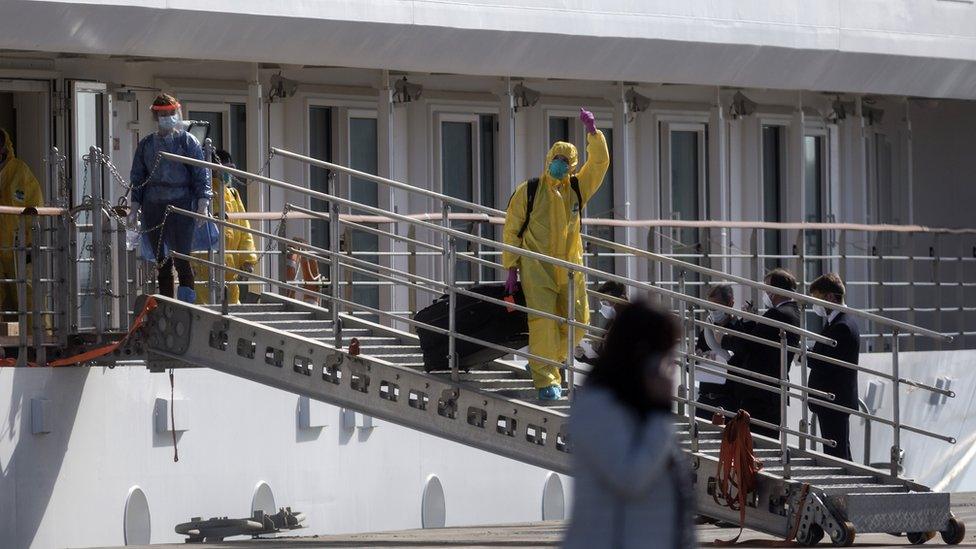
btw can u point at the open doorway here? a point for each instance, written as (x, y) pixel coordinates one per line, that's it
(24, 114)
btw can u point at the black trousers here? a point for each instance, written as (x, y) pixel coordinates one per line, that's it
(836, 426)
(763, 409)
(717, 395)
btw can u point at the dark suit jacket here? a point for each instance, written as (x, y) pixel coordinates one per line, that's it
(830, 377)
(761, 358)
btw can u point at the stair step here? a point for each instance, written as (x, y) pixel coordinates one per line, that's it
(270, 316)
(248, 307)
(838, 489)
(400, 358)
(289, 325)
(828, 480)
(479, 375)
(812, 470)
(377, 350)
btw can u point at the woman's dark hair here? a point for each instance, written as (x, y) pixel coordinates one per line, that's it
(613, 288)
(640, 331)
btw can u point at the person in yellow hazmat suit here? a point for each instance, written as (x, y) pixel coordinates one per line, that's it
(239, 245)
(18, 188)
(544, 217)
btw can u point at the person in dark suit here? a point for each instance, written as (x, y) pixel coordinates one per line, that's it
(713, 389)
(762, 404)
(831, 378)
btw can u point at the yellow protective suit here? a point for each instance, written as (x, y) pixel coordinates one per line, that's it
(235, 241)
(554, 230)
(19, 188)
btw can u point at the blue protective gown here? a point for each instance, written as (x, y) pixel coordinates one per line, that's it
(170, 183)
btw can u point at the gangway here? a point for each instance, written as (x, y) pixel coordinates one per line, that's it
(305, 349)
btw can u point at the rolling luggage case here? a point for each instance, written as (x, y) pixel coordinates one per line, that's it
(474, 318)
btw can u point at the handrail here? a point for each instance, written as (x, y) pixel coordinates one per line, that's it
(365, 308)
(824, 358)
(636, 251)
(754, 379)
(656, 223)
(569, 266)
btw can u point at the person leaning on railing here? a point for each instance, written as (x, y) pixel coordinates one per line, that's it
(713, 389)
(241, 253)
(553, 229)
(763, 359)
(831, 378)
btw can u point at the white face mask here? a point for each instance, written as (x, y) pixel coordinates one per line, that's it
(607, 310)
(168, 123)
(718, 317)
(820, 310)
(767, 301)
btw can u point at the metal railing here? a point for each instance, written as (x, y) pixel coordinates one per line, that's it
(449, 238)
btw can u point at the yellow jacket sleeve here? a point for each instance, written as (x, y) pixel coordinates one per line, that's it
(514, 217)
(597, 162)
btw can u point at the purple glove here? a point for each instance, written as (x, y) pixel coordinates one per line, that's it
(511, 285)
(589, 122)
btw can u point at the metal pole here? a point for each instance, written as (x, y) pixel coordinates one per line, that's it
(334, 264)
(895, 405)
(684, 391)
(449, 268)
(688, 336)
(216, 288)
(37, 295)
(20, 252)
(571, 332)
(67, 277)
(449, 275)
(804, 397)
(97, 278)
(783, 402)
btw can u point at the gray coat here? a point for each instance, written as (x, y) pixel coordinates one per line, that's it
(626, 491)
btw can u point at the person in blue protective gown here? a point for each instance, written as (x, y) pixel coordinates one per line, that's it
(158, 183)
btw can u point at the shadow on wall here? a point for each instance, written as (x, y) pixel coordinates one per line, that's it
(36, 459)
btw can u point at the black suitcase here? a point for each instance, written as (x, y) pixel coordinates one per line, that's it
(475, 318)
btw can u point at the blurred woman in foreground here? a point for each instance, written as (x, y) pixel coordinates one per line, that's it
(632, 488)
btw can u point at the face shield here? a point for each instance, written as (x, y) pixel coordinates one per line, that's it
(168, 117)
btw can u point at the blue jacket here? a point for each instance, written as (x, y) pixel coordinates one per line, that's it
(170, 181)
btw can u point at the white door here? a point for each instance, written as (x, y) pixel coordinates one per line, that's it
(88, 126)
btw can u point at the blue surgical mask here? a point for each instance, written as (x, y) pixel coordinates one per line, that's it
(168, 123)
(227, 178)
(558, 168)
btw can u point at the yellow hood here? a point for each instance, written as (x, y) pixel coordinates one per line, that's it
(562, 148)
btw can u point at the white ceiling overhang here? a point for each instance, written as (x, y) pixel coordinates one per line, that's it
(782, 44)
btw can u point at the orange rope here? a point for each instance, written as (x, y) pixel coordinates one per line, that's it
(106, 349)
(737, 469)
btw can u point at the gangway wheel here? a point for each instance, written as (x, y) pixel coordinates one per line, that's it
(812, 537)
(846, 535)
(954, 533)
(918, 538)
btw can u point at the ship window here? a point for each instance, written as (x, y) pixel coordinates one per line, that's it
(320, 147)
(136, 520)
(773, 177)
(553, 499)
(433, 508)
(263, 499)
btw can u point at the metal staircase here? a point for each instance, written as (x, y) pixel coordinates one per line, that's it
(287, 344)
(293, 346)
